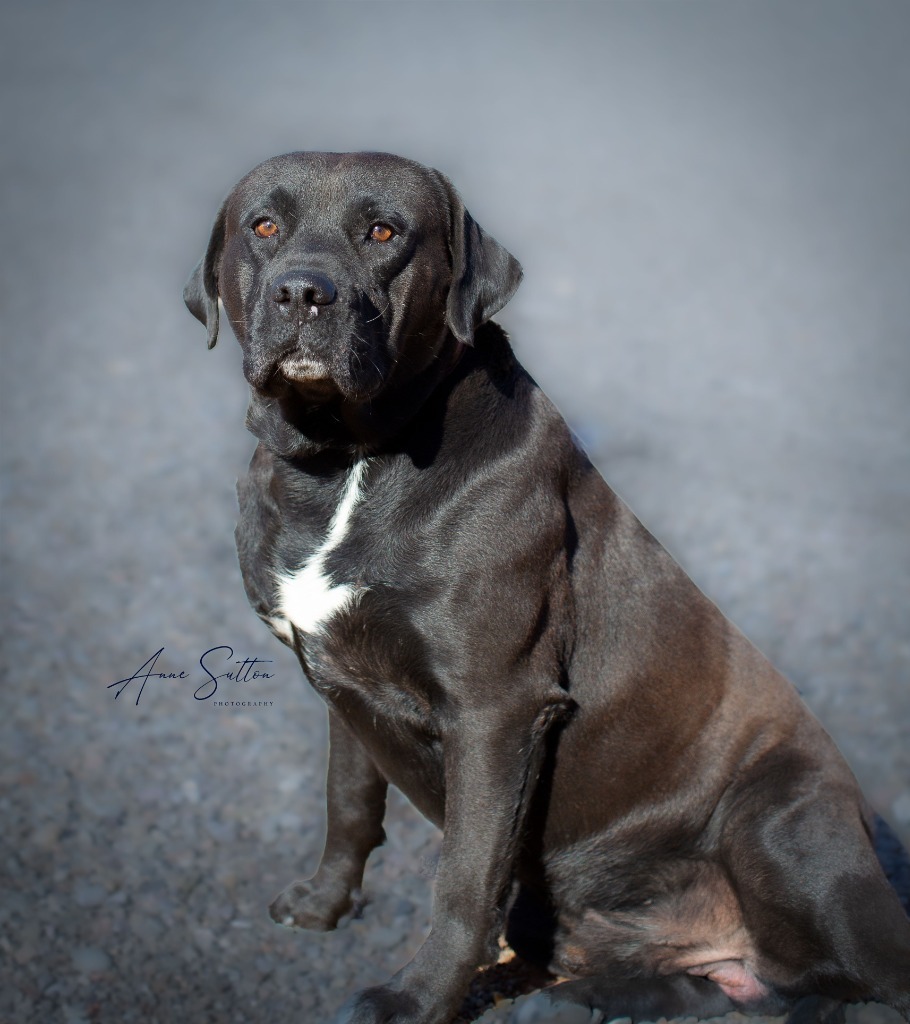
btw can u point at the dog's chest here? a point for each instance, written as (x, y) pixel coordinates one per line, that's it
(358, 648)
(309, 596)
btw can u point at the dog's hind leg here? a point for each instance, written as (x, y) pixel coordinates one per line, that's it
(355, 792)
(871, 937)
(816, 902)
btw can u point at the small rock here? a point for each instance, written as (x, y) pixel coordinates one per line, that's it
(540, 1009)
(385, 937)
(221, 831)
(203, 938)
(46, 836)
(291, 782)
(91, 960)
(89, 894)
(73, 1015)
(403, 908)
(144, 926)
(871, 1013)
(14, 904)
(23, 954)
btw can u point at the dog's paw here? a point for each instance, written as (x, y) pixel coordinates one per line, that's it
(381, 1005)
(306, 905)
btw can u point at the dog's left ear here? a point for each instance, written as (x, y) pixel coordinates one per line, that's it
(201, 291)
(484, 274)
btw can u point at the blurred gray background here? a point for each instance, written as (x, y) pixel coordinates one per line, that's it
(711, 202)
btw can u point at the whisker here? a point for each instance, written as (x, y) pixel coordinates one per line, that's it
(379, 314)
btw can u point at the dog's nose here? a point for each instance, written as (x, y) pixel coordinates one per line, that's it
(303, 288)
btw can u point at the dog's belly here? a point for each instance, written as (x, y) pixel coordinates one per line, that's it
(696, 928)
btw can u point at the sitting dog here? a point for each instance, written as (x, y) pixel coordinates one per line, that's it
(626, 786)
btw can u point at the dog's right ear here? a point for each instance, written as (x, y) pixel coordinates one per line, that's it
(201, 291)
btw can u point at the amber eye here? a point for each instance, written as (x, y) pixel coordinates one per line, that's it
(265, 228)
(381, 232)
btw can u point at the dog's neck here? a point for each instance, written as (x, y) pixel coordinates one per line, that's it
(295, 429)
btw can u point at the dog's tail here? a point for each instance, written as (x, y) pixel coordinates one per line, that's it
(894, 859)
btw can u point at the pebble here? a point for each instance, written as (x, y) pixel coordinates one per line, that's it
(539, 1009)
(90, 960)
(872, 1013)
(221, 831)
(385, 937)
(73, 1014)
(46, 837)
(190, 790)
(403, 908)
(14, 904)
(204, 938)
(89, 894)
(146, 928)
(291, 781)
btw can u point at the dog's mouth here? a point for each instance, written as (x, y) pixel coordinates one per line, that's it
(314, 368)
(309, 377)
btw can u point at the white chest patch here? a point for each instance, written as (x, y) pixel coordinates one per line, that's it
(309, 597)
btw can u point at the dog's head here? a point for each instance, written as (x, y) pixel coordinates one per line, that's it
(345, 275)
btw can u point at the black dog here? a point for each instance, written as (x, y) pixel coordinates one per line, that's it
(625, 784)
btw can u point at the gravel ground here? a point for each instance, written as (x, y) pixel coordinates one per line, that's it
(710, 200)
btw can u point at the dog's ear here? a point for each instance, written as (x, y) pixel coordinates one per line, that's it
(484, 274)
(201, 291)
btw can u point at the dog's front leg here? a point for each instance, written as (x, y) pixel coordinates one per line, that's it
(355, 796)
(492, 761)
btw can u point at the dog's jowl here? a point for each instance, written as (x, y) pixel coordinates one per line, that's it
(626, 787)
